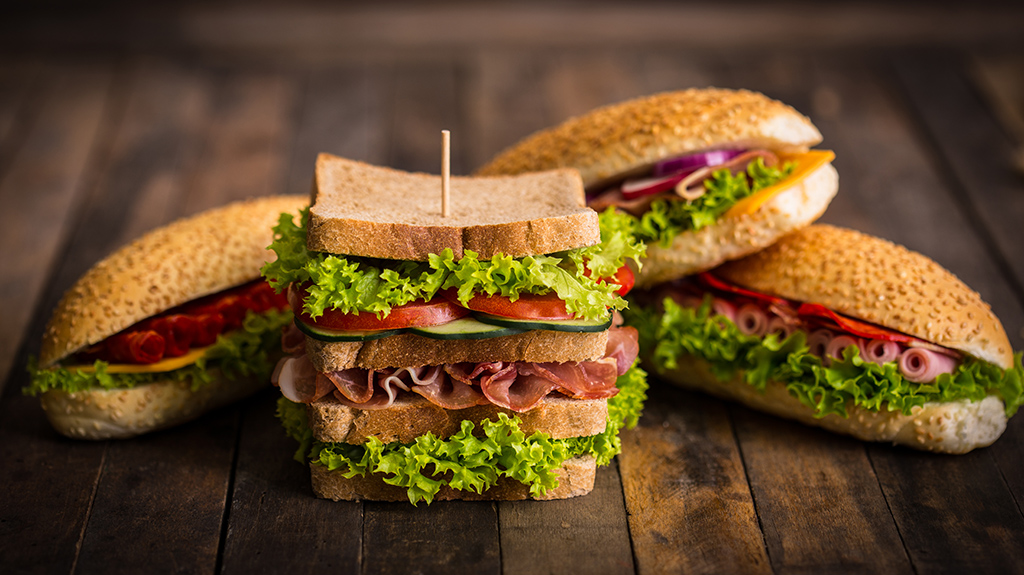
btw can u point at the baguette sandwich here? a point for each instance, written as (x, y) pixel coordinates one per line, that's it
(463, 357)
(701, 176)
(166, 328)
(842, 330)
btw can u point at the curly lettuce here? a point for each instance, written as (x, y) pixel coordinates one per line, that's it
(467, 460)
(352, 284)
(666, 219)
(249, 351)
(830, 389)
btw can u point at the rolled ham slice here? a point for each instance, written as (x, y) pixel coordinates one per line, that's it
(924, 365)
(838, 344)
(881, 351)
(780, 326)
(751, 320)
(818, 341)
(723, 308)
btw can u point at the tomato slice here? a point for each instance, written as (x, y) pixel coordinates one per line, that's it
(413, 314)
(623, 277)
(528, 306)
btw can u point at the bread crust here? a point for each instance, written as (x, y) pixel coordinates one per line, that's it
(364, 210)
(121, 413)
(877, 281)
(185, 260)
(575, 478)
(946, 427)
(736, 236)
(629, 136)
(412, 416)
(409, 350)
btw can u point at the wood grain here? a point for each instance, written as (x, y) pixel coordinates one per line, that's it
(272, 501)
(42, 187)
(690, 508)
(250, 119)
(579, 535)
(439, 538)
(426, 100)
(819, 503)
(343, 112)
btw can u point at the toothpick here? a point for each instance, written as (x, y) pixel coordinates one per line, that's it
(446, 160)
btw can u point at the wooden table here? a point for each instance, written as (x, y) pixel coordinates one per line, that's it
(112, 124)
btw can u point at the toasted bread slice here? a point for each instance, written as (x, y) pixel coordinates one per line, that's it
(575, 478)
(364, 210)
(412, 416)
(408, 350)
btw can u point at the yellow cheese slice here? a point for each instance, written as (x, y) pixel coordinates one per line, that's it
(806, 163)
(169, 364)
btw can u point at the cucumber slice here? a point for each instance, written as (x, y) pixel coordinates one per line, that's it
(548, 324)
(332, 335)
(464, 328)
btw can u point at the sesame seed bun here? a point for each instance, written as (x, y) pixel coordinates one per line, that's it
(622, 138)
(945, 427)
(877, 281)
(169, 266)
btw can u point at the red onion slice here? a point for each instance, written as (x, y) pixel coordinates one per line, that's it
(694, 161)
(632, 189)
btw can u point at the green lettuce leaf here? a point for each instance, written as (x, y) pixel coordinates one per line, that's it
(666, 219)
(249, 351)
(826, 389)
(352, 284)
(468, 461)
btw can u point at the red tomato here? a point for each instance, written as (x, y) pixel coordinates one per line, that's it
(413, 314)
(528, 306)
(623, 277)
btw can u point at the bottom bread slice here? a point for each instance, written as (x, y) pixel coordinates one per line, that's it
(947, 427)
(121, 413)
(575, 478)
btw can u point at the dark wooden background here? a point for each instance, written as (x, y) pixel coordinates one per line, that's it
(116, 118)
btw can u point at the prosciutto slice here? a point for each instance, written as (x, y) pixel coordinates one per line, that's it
(924, 365)
(293, 341)
(299, 380)
(623, 346)
(448, 392)
(586, 380)
(515, 391)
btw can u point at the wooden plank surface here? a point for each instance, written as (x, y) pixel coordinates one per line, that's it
(51, 162)
(579, 535)
(690, 507)
(273, 519)
(702, 486)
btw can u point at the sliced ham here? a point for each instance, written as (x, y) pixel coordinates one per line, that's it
(924, 365)
(450, 393)
(293, 341)
(298, 380)
(838, 344)
(818, 341)
(354, 384)
(623, 346)
(751, 320)
(585, 380)
(513, 390)
(881, 351)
